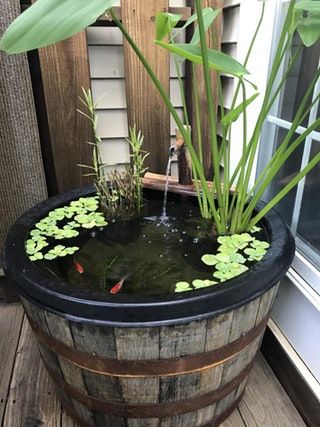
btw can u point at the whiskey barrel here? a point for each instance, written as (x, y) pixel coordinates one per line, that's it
(191, 374)
(176, 360)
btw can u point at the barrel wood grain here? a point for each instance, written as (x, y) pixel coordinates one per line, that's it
(159, 343)
(138, 390)
(59, 328)
(186, 341)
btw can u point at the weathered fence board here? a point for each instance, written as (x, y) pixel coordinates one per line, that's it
(145, 107)
(214, 42)
(65, 71)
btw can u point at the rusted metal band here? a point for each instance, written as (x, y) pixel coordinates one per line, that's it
(153, 367)
(215, 422)
(150, 410)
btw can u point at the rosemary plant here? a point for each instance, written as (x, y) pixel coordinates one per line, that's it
(235, 214)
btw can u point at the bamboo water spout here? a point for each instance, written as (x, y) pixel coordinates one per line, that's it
(184, 159)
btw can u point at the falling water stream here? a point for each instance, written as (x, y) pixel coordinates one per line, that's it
(165, 196)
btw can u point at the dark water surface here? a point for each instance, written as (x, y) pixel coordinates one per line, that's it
(151, 251)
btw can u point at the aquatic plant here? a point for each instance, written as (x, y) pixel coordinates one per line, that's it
(83, 214)
(138, 157)
(120, 193)
(237, 214)
(230, 259)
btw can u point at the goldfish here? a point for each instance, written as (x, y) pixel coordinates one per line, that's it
(117, 287)
(79, 268)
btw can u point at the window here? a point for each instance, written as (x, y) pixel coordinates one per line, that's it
(301, 207)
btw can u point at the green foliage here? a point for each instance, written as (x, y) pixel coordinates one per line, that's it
(120, 194)
(182, 286)
(47, 22)
(83, 213)
(42, 24)
(230, 260)
(216, 60)
(165, 22)
(306, 20)
(138, 157)
(199, 283)
(234, 114)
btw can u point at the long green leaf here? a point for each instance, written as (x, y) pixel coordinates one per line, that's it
(209, 15)
(217, 60)
(279, 196)
(233, 115)
(165, 22)
(49, 21)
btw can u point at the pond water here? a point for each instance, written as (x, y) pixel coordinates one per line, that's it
(147, 255)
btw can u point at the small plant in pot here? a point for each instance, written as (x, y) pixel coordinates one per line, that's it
(126, 346)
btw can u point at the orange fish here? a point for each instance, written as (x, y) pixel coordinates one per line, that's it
(78, 267)
(117, 287)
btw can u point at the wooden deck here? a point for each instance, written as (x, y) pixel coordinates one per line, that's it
(28, 399)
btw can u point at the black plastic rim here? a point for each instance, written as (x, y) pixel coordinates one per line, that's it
(58, 296)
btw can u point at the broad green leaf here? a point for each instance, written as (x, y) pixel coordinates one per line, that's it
(306, 20)
(209, 15)
(309, 28)
(49, 21)
(233, 115)
(193, 18)
(217, 60)
(308, 5)
(165, 22)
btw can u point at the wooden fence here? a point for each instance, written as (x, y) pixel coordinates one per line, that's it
(59, 71)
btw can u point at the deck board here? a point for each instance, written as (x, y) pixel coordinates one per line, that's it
(266, 402)
(32, 400)
(11, 316)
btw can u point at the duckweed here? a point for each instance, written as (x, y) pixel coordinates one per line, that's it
(82, 213)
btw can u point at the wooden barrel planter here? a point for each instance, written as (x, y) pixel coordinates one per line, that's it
(178, 360)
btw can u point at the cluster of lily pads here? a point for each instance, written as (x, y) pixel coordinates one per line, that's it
(229, 261)
(79, 213)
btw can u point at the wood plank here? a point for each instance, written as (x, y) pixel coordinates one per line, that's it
(67, 421)
(138, 390)
(234, 420)
(214, 42)
(265, 400)
(145, 106)
(32, 399)
(10, 326)
(292, 373)
(65, 70)
(60, 329)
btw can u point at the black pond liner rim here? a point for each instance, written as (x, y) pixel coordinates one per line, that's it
(57, 296)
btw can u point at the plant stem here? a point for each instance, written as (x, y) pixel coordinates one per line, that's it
(184, 133)
(211, 113)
